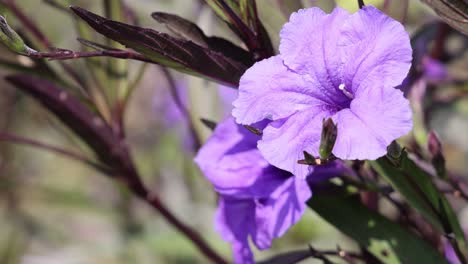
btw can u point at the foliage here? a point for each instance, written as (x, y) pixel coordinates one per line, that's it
(415, 179)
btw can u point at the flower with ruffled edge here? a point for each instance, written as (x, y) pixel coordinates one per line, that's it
(256, 200)
(339, 65)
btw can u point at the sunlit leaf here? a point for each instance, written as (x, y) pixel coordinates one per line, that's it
(386, 240)
(416, 186)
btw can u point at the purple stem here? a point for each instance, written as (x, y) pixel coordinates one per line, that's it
(70, 154)
(361, 4)
(182, 108)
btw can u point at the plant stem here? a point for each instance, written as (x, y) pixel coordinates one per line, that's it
(66, 153)
(361, 4)
(182, 108)
(108, 146)
(37, 33)
(68, 54)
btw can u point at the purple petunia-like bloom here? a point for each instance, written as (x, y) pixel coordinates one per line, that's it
(339, 65)
(256, 200)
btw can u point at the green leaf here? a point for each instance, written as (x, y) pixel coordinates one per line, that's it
(405, 184)
(221, 12)
(10, 39)
(453, 12)
(386, 240)
(417, 188)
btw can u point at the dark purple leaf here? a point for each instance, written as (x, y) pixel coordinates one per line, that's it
(453, 12)
(188, 30)
(88, 126)
(181, 27)
(242, 18)
(209, 123)
(166, 50)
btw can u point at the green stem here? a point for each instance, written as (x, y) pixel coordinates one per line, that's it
(117, 70)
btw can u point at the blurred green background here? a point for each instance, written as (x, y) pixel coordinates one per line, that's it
(54, 210)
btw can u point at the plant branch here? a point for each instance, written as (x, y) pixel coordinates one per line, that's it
(319, 255)
(182, 108)
(109, 147)
(66, 153)
(361, 4)
(37, 33)
(62, 54)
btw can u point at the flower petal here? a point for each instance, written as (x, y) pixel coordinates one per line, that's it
(376, 118)
(234, 220)
(309, 46)
(230, 159)
(375, 49)
(269, 90)
(227, 95)
(327, 171)
(280, 211)
(284, 141)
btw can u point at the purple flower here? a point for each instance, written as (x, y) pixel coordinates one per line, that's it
(450, 254)
(256, 200)
(434, 70)
(173, 117)
(334, 65)
(227, 95)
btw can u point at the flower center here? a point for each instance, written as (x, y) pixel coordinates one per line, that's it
(342, 88)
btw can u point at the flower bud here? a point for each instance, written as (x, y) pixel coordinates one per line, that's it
(308, 159)
(328, 138)
(11, 39)
(394, 152)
